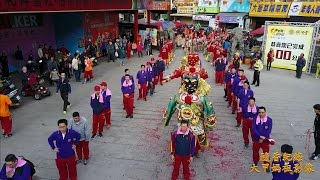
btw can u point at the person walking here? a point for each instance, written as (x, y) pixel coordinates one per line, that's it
(270, 59)
(63, 142)
(5, 114)
(316, 132)
(123, 78)
(16, 168)
(182, 148)
(64, 87)
(258, 66)
(220, 67)
(142, 82)
(286, 149)
(19, 58)
(88, 75)
(249, 112)
(96, 103)
(301, 62)
(262, 127)
(243, 96)
(150, 79)
(4, 64)
(127, 88)
(80, 125)
(75, 66)
(139, 49)
(106, 94)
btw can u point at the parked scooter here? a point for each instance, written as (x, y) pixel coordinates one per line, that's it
(35, 88)
(11, 91)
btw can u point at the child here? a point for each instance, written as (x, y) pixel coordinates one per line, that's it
(88, 69)
(54, 76)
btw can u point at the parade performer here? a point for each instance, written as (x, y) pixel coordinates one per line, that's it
(192, 65)
(193, 106)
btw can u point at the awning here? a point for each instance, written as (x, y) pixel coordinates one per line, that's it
(230, 17)
(182, 15)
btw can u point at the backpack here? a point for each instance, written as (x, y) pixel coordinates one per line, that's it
(32, 166)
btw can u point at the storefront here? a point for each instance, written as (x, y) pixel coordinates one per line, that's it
(261, 12)
(202, 20)
(233, 13)
(185, 10)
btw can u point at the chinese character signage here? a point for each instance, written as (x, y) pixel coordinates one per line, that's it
(234, 6)
(184, 7)
(154, 4)
(62, 5)
(207, 6)
(276, 10)
(307, 9)
(288, 42)
(201, 17)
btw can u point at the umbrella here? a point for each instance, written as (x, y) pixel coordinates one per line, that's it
(258, 31)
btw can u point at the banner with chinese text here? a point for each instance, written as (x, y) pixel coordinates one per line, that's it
(205, 6)
(307, 9)
(63, 5)
(267, 9)
(234, 6)
(288, 42)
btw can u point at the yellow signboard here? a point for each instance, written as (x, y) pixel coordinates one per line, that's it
(288, 42)
(267, 9)
(307, 9)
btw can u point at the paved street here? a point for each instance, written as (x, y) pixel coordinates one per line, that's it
(138, 148)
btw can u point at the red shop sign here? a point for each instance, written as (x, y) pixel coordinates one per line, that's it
(62, 5)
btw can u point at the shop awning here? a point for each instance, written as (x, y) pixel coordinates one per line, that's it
(230, 17)
(182, 15)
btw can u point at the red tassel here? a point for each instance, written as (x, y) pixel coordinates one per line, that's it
(187, 99)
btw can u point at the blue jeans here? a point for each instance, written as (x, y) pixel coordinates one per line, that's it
(77, 74)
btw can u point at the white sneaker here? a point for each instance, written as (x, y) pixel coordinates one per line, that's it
(64, 112)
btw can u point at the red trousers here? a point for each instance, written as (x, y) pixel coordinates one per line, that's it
(128, 104)
(88, 74)
(67, 168)
(239, 117)
(155, 82)
(256, 147)
(176, 167)
(219, 77)
(98, 121)
(107, 116)
(143, 91)
(83, 149)
(246, 128)
(160, 77)
(128, 54)
(6, 124)
(234, 103)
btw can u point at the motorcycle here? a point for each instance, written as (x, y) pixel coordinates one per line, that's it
(11, 91)
(35, 88)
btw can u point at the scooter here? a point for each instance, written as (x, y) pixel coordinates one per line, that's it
(11, 91)
(36, 89)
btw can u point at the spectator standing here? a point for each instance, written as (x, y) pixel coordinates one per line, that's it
(182, 150)
(316, 132)
(270, 59)
(80, 125)
(19, 58)
(15, 168)
(75, 66)
(139, 49)
(40, 52)
(111, 52)
(122, 55)
(4, 64)
(88, 69)
(64, 87)
(104, 48)
(301, 62)
(63, 142)
(96, 103)
(258, 66)
(5, 114)
(54, 76)
(129, 50)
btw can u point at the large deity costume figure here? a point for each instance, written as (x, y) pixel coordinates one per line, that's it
(193, 106)
(192, 65)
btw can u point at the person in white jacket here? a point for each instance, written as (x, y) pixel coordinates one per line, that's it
(76, 67)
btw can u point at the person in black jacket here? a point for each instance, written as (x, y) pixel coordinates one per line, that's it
(64, 87)
(4, 64)
(316, 131)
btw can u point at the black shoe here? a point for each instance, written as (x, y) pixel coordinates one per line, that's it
(85, 162)
(93, 136)
(252, 83)
(238, 125)
(131, 116)
(134, 107)
(257, 85)
(127, 116)
(100, 134)
(246, 145)
(197, 155)
(79, 161)
(226, 100)
(313, 157)
(124, 108)
(233, 112)
(224, 96)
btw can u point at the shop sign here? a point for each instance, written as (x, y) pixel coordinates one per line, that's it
(234, 6)
(201, 17)
(164, 16)
(230, 19)
(62, 5)
(185, 10)
(275, 10)
(288, 42)
(159, 5)
(307, 9)
(205, 6)
(8, 21)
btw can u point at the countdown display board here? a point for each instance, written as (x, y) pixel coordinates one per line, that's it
(288, 42)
